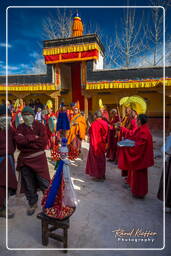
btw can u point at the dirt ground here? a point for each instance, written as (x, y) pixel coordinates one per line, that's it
(103, 207)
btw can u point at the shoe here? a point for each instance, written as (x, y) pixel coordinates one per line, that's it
(3, 213)
(99, 179)
(126, 185)
(31, 209)
(138, 197)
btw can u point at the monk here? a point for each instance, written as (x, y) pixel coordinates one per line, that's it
(129, 125)
(105, 114)
(77, 130)
(112, 136)
(138, 158)
(12, 182)
(96, 161)
(31, 139)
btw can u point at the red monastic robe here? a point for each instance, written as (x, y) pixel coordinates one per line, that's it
(96, 161)
(12, 182)
(112, 140)
(127, 130)
(29, 144)
(137, 159)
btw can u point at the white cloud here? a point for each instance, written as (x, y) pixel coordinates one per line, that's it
(34, 55)
(4, 45)
(39, 66)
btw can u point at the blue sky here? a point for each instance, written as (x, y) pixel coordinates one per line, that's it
(26, 29)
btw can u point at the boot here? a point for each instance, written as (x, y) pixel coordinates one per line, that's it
(31, 209)
(3, 213)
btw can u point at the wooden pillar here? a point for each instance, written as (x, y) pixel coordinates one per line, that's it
(86, 106)
(55, 97)
(56, 103)
(169, 123)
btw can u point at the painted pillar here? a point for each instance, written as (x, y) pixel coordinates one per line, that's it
(56, 103)
(55, 97)
(86, 107)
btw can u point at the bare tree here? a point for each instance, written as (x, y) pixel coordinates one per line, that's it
(93, 28)
(111, 54)
(59, 25)
(130, 42)
(155, 34)
(154, 56)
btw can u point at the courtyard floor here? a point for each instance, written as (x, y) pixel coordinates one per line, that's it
(103, 207)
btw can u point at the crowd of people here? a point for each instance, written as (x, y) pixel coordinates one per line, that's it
(124, 140)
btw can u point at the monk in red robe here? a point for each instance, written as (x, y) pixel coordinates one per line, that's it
(12, 182)
(112, 136)
(96, 161)
(105, 114)
(129, 125)
(138, 158)
(31, 139)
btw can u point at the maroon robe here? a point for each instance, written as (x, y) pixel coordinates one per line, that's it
(96, 161)
(29, 144)
(105, 115)
(12, 182)
(126, 131)
(137, 159)
(112, 140)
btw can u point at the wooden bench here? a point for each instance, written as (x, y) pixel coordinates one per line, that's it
(54, 225)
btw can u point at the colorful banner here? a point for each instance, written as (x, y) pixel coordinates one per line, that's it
(70, 49)
(148, 83)
(72, 56)
(33, 87)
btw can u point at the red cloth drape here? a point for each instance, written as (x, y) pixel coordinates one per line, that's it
(76, 84)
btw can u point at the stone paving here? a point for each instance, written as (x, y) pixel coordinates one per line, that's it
(103, 208)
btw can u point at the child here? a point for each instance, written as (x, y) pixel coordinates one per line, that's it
(38, 115)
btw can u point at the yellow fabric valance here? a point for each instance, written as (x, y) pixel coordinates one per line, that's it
(71, 48)
(127, 84)
(33, 87)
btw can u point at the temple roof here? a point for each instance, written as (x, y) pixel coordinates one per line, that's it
(28, 79)
(125, 74)
(90, 38)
